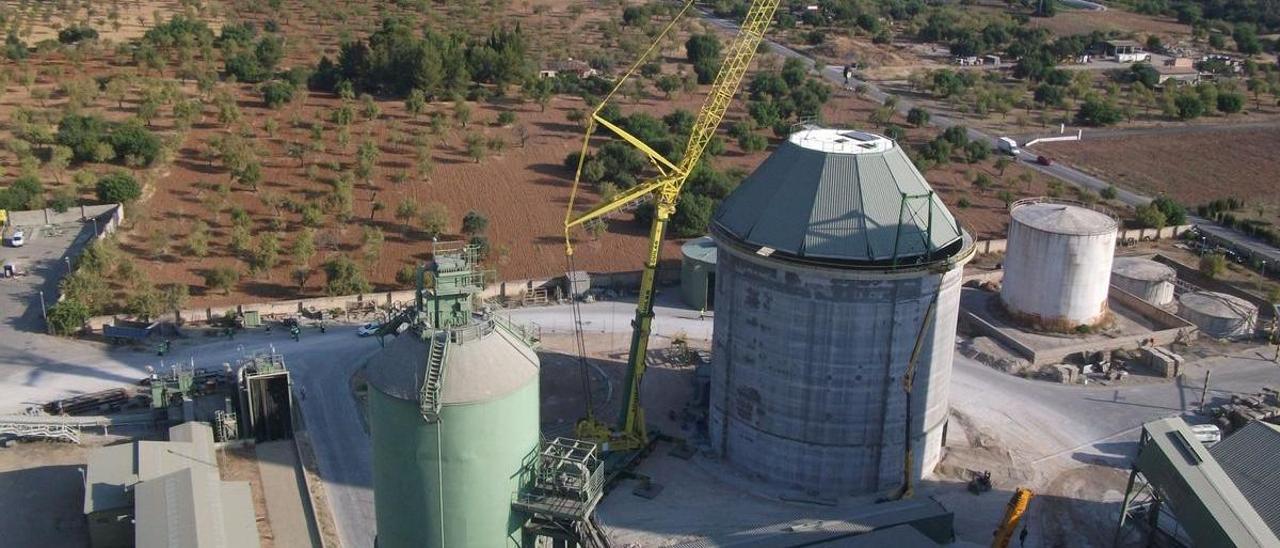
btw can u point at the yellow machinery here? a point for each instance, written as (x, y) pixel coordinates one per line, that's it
(630, 433)
(1013, 513)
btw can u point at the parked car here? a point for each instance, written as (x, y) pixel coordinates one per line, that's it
(1044, 160)
(18, 238)
(368, 329)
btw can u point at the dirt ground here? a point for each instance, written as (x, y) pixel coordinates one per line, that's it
(1070, 497)
(241, 464)
(1242, 164)
(1070, 22)
(523, 188)
(115, 21)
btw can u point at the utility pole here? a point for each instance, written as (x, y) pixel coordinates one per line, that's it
(44, 313)
(1204, 391)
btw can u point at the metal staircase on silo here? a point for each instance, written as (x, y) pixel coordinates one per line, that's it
(433, 377)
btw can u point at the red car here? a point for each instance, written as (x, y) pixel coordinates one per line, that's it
(1044, 160)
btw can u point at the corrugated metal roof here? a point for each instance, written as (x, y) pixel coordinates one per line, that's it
(824, 196)
(111, 470)
(1248, 456)
(192, 508)
(700, 249)
(1207, 503)
(115, 469)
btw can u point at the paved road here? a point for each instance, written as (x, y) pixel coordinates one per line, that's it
(1176, 129)
(1084, 423)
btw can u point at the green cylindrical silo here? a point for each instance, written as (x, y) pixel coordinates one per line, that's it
(698, 273)
(449, 481)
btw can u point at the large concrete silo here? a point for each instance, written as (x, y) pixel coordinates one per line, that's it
(831, 254)
(1057, 267)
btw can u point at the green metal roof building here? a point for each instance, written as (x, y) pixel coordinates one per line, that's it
(698, 273)
(134, 492)
(1199, 496)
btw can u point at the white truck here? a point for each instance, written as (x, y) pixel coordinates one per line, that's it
(1008, 146)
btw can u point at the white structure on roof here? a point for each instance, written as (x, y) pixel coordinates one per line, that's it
(1057, 265)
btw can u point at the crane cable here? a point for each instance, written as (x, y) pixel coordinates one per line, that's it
(579, 338)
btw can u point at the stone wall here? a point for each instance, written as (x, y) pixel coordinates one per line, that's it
(1123, 237)
(514, 289)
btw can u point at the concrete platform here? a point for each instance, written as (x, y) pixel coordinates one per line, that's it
(706, 504)
(283, 487)
(1134, 323)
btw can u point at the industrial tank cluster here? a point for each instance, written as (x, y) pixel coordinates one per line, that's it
(1057, 266)
(831, 256)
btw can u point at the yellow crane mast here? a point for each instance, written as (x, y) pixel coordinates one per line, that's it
(630, 432)
(1013, 514)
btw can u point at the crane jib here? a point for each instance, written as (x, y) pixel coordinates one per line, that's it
(630, 432)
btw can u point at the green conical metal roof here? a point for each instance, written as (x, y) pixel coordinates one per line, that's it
(839, 196)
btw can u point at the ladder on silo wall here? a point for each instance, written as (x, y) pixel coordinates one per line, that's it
(432, 377)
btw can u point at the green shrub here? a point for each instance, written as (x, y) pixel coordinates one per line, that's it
(1213, 265)
(223, 278)
(133, 140)
(26, 192)
(343, 277)
(67, 317)
(118, 187)
(277, 93)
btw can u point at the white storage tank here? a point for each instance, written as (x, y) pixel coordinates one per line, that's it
(1146, 279)
(831, 253)
(1057, 266)
(1219, 315)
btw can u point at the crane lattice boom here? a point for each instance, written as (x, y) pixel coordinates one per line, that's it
(631, 433)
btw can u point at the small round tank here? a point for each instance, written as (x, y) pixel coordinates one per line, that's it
(1057, 265)
(1219, 315)
(831, 255)
(447, 479)
(1146, 279)
(698, 273)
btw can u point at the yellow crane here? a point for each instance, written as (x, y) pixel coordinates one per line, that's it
(630, 433)
(1013, 513)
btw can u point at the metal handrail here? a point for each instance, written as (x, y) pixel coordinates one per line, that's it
(1063, 201)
